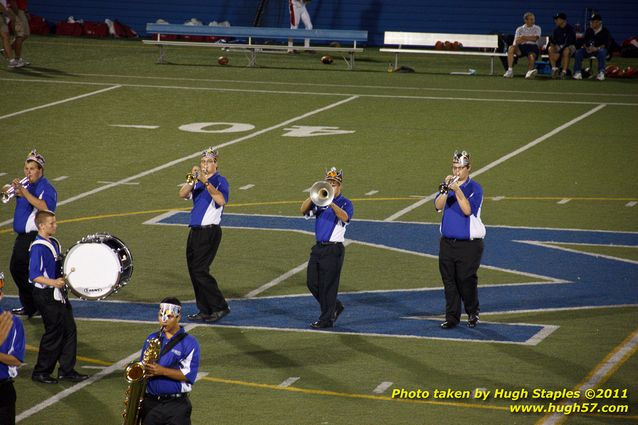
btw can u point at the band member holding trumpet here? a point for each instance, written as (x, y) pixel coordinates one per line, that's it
(171, 377)
(209, 191)
(33, 193)
(333, 212)
(460, 199)
(59, 341)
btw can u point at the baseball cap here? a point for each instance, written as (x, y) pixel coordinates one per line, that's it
(596, 17)
(560, 15)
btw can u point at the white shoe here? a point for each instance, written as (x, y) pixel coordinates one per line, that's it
(555, 73)
(22, 63)
(509, 74)
(531, 74)
(578, 76)
(14, 64)
(600, 76)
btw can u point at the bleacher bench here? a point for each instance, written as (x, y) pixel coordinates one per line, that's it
(480, 45)
(254, 39)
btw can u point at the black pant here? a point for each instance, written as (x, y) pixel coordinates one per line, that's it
(19, 268)
(201, 249)
(459, 260)
(7, 403)
(59, 341)
(324, 271)
(175, 411)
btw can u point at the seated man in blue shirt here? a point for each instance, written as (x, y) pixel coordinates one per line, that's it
(326, 256)
(598, 40)
(12, 346)
(172, 376)
(461, 246)
(562, 46)
(59, 341)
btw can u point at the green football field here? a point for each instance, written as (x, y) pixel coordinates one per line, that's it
(120, 132)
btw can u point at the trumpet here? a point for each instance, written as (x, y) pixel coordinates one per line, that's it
(445, 186)
(322, 193)
(10, 191)
(191, 178)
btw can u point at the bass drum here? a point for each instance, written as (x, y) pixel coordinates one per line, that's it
(97, 266)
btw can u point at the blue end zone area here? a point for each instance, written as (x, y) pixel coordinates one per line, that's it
(377, 313)
(576, 280)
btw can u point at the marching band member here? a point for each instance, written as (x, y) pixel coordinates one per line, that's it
(461, 246)
(327, 255)
(12, 348)
(209, 191)
(37, 194)
(59, 341)
(171, 377)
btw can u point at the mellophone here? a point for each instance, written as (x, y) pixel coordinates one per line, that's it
(97, 266)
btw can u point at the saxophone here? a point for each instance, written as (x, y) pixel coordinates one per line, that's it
(135, 375)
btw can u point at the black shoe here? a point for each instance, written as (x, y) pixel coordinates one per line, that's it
(448, 325)
(198, 317)
(472, 320)
(338, 310)
(20, 311)
(73, 377)
(217, 315)
(321, 325)
(44, 378)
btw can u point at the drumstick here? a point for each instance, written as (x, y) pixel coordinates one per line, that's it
(66, 277)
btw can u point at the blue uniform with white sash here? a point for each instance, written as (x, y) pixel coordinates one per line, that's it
(59, 341)
(166, 400)
(24, 226)
(203, 241)
(460, 251)
(13, 345)
(326, 257)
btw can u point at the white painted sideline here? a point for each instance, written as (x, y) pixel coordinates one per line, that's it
(503, 158)
(343, 94)
(70, 99)
(196, 154)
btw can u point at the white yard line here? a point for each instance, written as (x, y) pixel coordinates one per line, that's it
(246, 187)
(140, 126)
(288, 382)
(504, 158)
(631, 204)
(372, 192)
(70, 99)
(380, 389)
(406, 88)
(197, 154)
(599, 375)
(59, 179)
(378, 96)
(118, 366)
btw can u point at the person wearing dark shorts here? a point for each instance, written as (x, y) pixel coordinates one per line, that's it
(525, 45)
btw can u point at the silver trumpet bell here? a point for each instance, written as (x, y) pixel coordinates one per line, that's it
(322, 193)
(8, 191)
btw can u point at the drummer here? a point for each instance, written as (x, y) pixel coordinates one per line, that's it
(59, 341)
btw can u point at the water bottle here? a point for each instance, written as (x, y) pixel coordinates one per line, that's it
(1, 280)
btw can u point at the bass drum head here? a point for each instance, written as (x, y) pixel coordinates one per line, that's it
(92, 270)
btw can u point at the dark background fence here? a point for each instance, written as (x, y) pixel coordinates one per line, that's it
(375, 16)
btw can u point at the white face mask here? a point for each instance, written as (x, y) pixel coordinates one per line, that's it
(167, 311)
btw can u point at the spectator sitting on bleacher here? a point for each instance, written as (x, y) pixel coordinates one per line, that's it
(597, 43)
(525, 44)
(562, 45)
